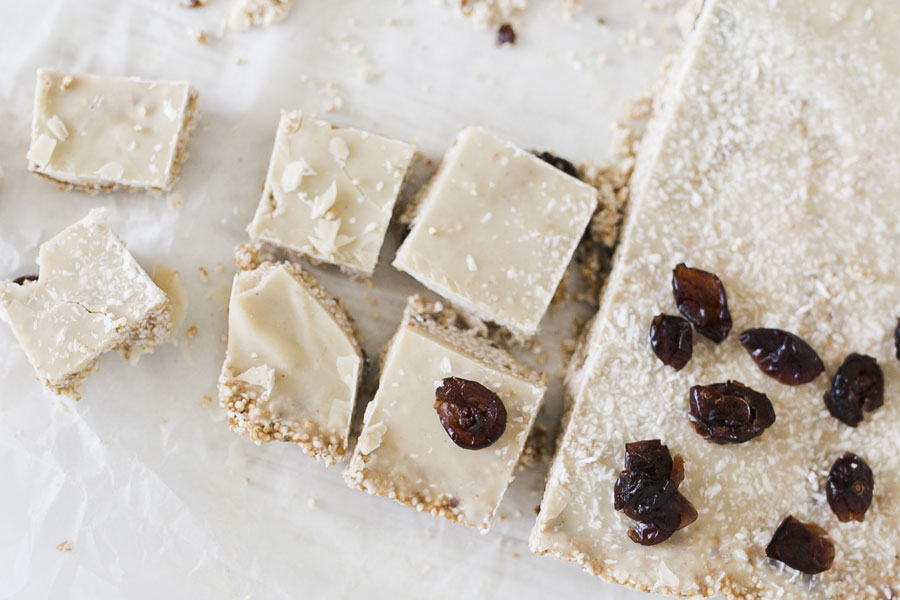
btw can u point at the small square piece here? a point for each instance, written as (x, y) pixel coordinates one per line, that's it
(495, 229)
(330, 192)
(93, 133)
(91, 297)
(293, 363)
(405, 453)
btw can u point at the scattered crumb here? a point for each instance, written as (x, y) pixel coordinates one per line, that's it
(219, 267)
(247, 14)
(192, 332)
(311, 502)
(176, 201)
(64, 546)
(197, 35)
(515, 555)
(205, 401)
(204, 274)
(506, 35)
(245, 480)
(518, 514)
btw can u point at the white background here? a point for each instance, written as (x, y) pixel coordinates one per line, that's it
(155, 496)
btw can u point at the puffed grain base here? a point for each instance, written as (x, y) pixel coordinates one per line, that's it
(191, 115)
(237, 397)
(260, 251)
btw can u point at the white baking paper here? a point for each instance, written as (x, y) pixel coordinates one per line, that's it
(140, 484)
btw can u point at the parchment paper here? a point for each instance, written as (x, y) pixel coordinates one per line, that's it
(152, 495)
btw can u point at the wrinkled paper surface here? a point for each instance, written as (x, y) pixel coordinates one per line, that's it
(152, 494)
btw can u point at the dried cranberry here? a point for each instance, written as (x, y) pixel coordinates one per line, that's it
(558, 162)
(661, 523)
(730, 412)
(700, 297)
(672, 340)
(25, 279)
(858, 385)
(801, 546)
(897, 339)
(782, 355)
(849, 488)
(472, 415)
(506, 35)
(647, 491)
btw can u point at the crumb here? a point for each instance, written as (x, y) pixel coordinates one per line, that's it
(245, 480)
(515, 555)
(601, 21)
(66, 82)
(64, 546)
(191, 333)
(238, 60)
(219, 267)
(311, 502)
(518, 514)
(204, 275)
(390, 21)
(197, 35)
(205, 401)
(223, 339)
(538, 447)
(537, 509)
(176, 201)
(506, 35)
(193, 3)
